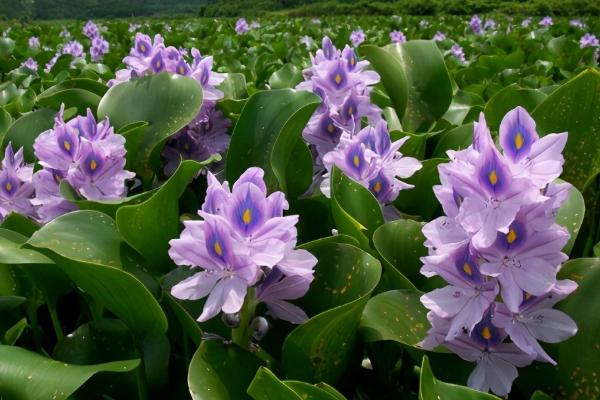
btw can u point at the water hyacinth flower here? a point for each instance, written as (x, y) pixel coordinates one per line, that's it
(50, 64)
(589, 40)
(90, 29)
(546, 21)
(64, 33)
(33, 42)
(526, 22)
(397, 37)
(439, 37)
(254, 25)
(457, 51)
(489, 24)
(133, 27)
(577, 23)
(423, 24)
(99, 48)
(344, 84)
(30, 64)
(243, 244)
(499, 237)
(241, 26)
(371, 159)
(475, 25)
(307, 41)
(85, 153)
(357, 37)
(16, 187)
(73, 48)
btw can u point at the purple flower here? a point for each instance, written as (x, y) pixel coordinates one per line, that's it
(254, 25)
(51, 62)
(87, 154)
(439, 37)
(577, 23)
(133, 27)
(16, 188)
(457, 51)
(499, 236)
(64, 33)
(30, 64)
(397, 37)
(589, 40)
(243, 241)
(344, 84)
(307, 41)
(546, 21)
(475, 25)
(73, 48)
(526, 22)
(489, 24)
(241, 26)
(357, 37)
(91, 30)
(34, 42)
(371, 159)
(99, 48)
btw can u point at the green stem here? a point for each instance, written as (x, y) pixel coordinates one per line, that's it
(242, 334)
(56, 322)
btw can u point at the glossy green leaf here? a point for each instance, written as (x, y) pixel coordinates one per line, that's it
(420, 200)
(167, 102)
(509, 98)
(234, 86)
(396, 315)
(287, 76)
(14, 332)
(267, 131)
(574, 108)
(321, 348)
(320, 391)
(148, 226)
(220, 371)
(457, 138)
(80, 98)
(571, 215)
(86, 246)
(29, 376)
(356, 211)
(462, 103)
(432, 389)
(23, 131)
(266, 386)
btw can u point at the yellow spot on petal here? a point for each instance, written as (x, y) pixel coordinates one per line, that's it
(519, 140)
(350, 110)
(486, 333)
(352, 61)
(493, 177)
(67, 145)
(377, 187)
(181, 70)
(93, 165)
(356, 161)
(218, 249)
(330, 128)
(8, 186)
(247, 217)
(467, 268)
(511, 236)
(528, 296)
(143, 47)
(338, 79)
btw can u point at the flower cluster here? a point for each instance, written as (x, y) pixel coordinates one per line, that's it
(99, 48)
(357, 37)
(30, 64)
(577, 23)
(307, 41)
(589, 40)
(439, 37)
(397, 37)
(546, 21)
(16, 187)
(243, 244)
(90, 30)
(489, 24)
(241, 26)
(34, 42)
(345, 86)
(499, 237)
(371, 159)
(526, 22)
(475, 25)
(208, 131)
(87, 154)
(457, 51)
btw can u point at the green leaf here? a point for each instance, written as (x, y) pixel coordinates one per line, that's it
(80, 98)
(428, 87)
(539, 395)
(166, 102)
(571, 215)
(420, 200)
(287, 76)
(321, 348)
(354, 208)
(29, 376)
(396, 315)
(220, 371)
(266, 386)
(5, 123)
(574, 108)
(320, 391)
(432, 389)
(457, 138)
(461, 105)
(148, 226)
(393, 76)
(267, 131)
(86, 246)
(234, 86)
(507, 99)
(26, 129)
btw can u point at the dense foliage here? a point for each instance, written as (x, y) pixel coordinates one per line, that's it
(234, 209)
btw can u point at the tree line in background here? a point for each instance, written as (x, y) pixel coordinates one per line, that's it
(82, 9)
